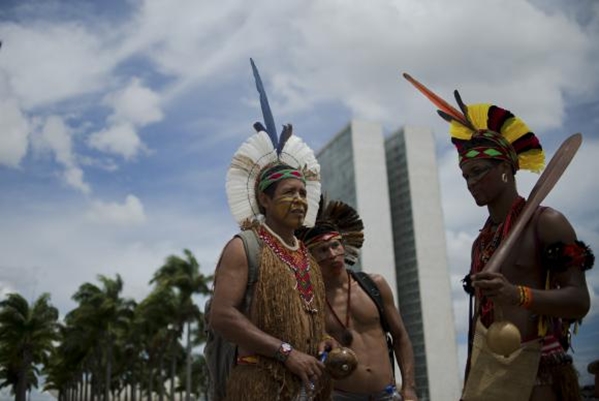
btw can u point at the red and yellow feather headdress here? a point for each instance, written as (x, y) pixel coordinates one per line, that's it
(494, 123)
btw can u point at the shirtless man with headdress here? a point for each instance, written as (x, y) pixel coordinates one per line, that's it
(353, 317)
(273, 188)
(540, 288)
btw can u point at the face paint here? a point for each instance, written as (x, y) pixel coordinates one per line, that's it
(289, 203)
(330, 255)
(483, 180)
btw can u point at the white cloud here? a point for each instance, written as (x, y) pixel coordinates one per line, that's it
(74, 177)
(130, 212)
(50, 62)
(190, 42)
(121, 139)
(356, 52)
(56, 137)
(14, 133)
(135, 104)
(570, 183)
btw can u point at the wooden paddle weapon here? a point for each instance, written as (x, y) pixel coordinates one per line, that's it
(552, 173)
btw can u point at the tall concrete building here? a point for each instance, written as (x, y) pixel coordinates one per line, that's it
(393, 183)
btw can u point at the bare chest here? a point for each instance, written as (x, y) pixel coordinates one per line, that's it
(358, 312)
(523, 267)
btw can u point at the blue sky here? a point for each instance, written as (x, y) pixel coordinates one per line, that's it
(118, 118)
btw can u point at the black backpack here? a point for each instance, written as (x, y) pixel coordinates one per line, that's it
(369, 286)
(219, 353)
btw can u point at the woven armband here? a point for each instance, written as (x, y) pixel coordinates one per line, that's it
(559, 257)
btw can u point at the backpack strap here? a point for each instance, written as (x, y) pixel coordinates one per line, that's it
(370, 287)
(252, 247)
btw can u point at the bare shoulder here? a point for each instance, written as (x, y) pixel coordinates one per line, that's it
(233, 254)
(554, 227)
(231, 275)
(382, 285)
(233, 262)
(378, 279)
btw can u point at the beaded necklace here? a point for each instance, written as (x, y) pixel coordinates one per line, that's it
(486, 244)
(490, 237)
(298, 262)
(293, 247)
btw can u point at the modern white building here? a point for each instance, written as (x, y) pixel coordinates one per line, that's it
(393, 183)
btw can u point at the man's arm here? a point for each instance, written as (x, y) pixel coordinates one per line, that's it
(401, 340)
(229, 292)
(571, 300)
(227, 319)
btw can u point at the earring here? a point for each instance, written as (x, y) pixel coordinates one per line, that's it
(504, 177)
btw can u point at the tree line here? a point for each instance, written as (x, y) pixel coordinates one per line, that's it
(110, 347)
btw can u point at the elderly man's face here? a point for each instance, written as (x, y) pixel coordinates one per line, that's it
(288, 204)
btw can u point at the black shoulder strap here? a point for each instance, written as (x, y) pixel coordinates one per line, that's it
(369, 286)
(252, 247)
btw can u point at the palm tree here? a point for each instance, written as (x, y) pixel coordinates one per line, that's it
(183, 274)
(102, 313)
(156, 316)
(130, 350)
(200, 378)
(26, 336)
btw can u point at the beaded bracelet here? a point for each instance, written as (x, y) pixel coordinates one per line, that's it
(525, 294)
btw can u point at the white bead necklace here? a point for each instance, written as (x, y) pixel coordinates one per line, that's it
(295, 247)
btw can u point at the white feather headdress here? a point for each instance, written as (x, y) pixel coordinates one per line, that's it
(261, 151)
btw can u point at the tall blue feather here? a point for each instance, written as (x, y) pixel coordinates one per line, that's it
(271, 129)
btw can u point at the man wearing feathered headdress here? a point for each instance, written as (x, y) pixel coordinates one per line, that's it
(273, 188)
(540, 288)
(361, 313)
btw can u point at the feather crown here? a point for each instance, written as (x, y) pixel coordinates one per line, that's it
(262, 151)
(487, 122)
